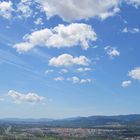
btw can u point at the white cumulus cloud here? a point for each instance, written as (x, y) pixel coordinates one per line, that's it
(131, 30)
(24, 8)
(84, 69)
(111, 51)
(68, 60)
(39, 21)
(59, 78)
(126, 83)
(76, 80)
(18, 97)
(135, 3)
(70, 10)
(135, 73)
(59, 37)
(6, 9)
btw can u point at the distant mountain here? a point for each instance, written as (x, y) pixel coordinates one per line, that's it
(25, 121)
(91, 121)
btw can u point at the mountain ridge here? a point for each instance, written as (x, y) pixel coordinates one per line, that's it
(90, 121)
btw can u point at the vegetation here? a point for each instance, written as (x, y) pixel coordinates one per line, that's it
(102, 128)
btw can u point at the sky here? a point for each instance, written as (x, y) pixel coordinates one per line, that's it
(69, 58)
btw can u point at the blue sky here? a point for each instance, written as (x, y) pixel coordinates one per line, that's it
(65, 59)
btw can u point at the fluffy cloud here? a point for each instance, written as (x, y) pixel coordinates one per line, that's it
(135, 73)
(58, 37)
(23, 46)
(83, 69)
(59, 79)
(126, 83)
(135, 3)
(131, 30)
(68, 60)
(29, 97)
(39, 21)
(76, 79)
(111, 51)
(24, 9)
(70, 10)
(6, 9)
